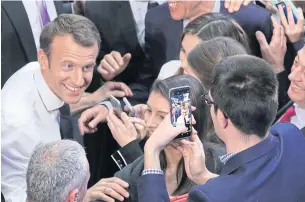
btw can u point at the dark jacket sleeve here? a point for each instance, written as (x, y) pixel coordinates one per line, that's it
(127, 154)
(151, 188)
(198, 195)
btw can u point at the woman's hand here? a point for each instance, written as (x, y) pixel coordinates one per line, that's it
(126, 129)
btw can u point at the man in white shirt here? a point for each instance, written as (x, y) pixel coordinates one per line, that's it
(296, 92)
(32, 97)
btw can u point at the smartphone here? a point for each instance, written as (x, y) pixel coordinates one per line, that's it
(117, 108)
(181, 112)
(132, 111)
(294, 10)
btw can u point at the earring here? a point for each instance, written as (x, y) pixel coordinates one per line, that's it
(76, 198)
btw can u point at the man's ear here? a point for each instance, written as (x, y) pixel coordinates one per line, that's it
(221, 118)
(43, 59)
(73, 195)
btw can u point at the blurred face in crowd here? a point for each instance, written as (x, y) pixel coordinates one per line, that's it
(184, 9)
(296, 90)
(68, 69)
(158, 108)
(188, 43)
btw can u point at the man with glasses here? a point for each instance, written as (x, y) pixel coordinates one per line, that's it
(262, 163)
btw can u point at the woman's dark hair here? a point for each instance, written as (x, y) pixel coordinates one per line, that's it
(203, 126)
(213, 25)
(206, 55)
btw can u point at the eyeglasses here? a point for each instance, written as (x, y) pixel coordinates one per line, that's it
(206, 98)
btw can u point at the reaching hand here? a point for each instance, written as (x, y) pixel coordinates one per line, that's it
(108, 189)
(123, 130)
(234, 5)
(117, 89)
(294, 31)
(141, 110)
(274, 53)
(113, 64)
(90, 118)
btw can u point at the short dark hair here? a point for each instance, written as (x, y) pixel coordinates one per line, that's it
(206, 55)
(245, 88)
(84, 32)
(211, 25)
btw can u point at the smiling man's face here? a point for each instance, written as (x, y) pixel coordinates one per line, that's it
(296, 90)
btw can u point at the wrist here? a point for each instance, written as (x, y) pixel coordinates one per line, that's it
(151, 158)
(279, 68)
(126, 141)
(204, 177)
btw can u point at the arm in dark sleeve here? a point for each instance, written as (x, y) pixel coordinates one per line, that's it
(127, 154)
(151, 188)
(198, 195)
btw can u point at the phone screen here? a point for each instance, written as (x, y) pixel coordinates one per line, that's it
(181, 113)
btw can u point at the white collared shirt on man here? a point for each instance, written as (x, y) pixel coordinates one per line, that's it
(29, 115)
(299, 119)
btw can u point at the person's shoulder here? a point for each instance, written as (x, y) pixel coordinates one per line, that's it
(253, 10)
(19, 93)
(158, 14)
(289, 133)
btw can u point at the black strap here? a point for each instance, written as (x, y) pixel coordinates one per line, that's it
(66, 129)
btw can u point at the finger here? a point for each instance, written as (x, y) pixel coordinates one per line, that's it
(290, 15)
(276, 37)
(196, 140)
(300, 18)
(126, 58)
(283, 17)
(98, 119)
(107, 67)
(117, 188)
(139, 127)
(237, 5)
(274, 22)
(261, 40)
(116, 93)
(118, 58)
(137, 121)
(111, 126)
(193, 108)
(227, 3)
(104, 72)
(126, 121)
(111, 192)
(112, 62)
(123, 87)
(98, 195)
(247, 2)
(118, 181)
(232, 5)
(115, 120)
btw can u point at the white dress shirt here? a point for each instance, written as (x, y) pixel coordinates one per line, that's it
(29, 115)
(299, 119)
(33, 13)
(139, 10)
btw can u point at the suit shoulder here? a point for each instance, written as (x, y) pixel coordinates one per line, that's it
(198, 193)
(253, 10)
(158, 14)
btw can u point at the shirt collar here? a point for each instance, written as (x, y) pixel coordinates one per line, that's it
(49, 99)
(300, 114)
(226, 157)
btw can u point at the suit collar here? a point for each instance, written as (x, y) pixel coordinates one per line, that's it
(249, 154)
(49, 99)
(23, 27)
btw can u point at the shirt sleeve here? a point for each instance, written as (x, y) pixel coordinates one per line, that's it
(152, 171)
(18, 141)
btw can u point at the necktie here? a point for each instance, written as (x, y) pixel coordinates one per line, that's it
(44, 15)
(288, 114)
(66, 130)
(152, 5)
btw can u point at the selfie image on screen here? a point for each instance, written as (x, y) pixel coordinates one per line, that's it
(181, 108)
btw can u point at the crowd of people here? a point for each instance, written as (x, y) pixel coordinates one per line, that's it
(63, 140)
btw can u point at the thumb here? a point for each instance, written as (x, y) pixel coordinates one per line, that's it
(261, 39)
(116, 93)
(178, 130)
(126, 58)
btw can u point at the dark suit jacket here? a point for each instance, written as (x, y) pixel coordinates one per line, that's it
(272, 170)
(116, 25)
(18, 45)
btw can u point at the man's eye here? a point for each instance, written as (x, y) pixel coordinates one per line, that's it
(87, 68)
(68, 66)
